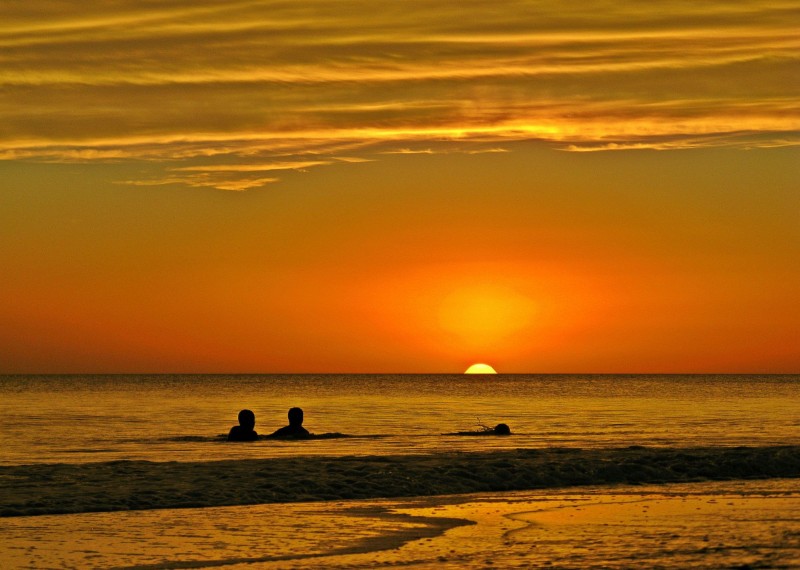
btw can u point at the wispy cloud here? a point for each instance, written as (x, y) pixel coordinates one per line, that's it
(235, 177)
(265, 83)
(298, 165)
(205, 180)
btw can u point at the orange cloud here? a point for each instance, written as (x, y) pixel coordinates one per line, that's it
(254, 81)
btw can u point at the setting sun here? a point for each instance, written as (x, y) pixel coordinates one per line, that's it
(480, 369)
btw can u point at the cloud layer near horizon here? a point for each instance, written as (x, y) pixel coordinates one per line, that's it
(227, 94)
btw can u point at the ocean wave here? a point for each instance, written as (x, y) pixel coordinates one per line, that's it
(130, 485)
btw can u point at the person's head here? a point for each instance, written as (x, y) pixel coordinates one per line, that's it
(295, 417)
(502, 429)
(247, 419)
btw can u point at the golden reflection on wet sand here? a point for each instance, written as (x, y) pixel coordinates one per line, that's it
(696, 525)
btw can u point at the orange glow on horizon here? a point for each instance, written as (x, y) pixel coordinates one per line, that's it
(503, 312)
(482, 316)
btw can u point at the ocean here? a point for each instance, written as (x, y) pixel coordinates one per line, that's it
(97, 418)
(602, 471)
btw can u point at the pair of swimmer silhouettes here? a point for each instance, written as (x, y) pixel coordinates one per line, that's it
(247, 422)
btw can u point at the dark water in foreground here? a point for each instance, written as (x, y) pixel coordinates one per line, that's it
(75, 419)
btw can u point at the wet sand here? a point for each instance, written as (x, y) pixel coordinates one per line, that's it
(44, 489)
(733, 524)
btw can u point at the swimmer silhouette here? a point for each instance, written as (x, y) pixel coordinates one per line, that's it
(295, 427)
(244, 431)
(499, 429)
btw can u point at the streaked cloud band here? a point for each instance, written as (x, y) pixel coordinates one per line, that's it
(245, 87)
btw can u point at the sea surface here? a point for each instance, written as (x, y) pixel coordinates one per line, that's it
(91, 418)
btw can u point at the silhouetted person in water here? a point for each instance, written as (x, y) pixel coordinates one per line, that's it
(499, 429)
(244, 431)
(295, 427)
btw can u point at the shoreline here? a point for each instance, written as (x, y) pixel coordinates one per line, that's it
(721, 524)
(46, 489)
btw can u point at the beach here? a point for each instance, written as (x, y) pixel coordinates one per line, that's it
(732, 524)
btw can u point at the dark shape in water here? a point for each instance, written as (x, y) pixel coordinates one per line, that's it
(295, 428)
(244, 431)
(499, 429)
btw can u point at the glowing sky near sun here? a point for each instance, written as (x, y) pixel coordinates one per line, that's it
(412, 186)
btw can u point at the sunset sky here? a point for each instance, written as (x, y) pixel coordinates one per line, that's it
(409, 186)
